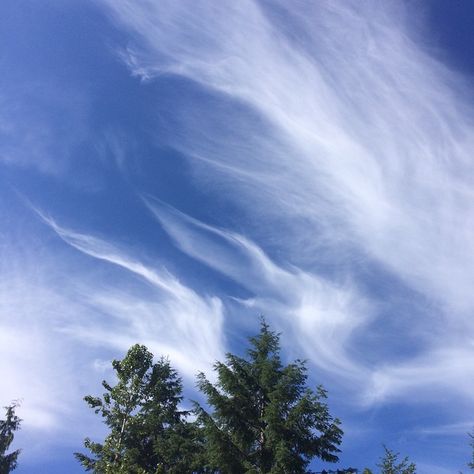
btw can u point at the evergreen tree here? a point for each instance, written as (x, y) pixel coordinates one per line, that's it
(8, 426)
(388, 464)
(148, 432)
(265, 419)
(350, 470)
(471, 464)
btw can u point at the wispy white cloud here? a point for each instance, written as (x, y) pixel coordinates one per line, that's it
(173, 320)
(451, 429)
(345, 130)
(63, 318)
(427, 468)
(318, 314)
(369, 119)
(322, 316)
(342, 144)
(437, 368)
(37, 363)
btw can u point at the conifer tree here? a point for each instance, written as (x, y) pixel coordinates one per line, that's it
(471, 464)
(265, 419)
(148, 431)
(8, 426)
(389, 464)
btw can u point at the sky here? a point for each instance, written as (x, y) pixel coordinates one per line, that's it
(170, 170)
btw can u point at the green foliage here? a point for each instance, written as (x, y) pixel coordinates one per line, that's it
(471, 464)
(389, 464)
(8, 426)
(350, 470)
(148, 432)
(367, 471)
(265, 419)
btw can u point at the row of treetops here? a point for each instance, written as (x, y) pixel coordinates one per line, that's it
(260, 417)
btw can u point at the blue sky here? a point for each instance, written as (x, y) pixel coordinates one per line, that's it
(170, 170)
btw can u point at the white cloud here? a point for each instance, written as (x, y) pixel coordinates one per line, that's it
(338, 138)
(347, 133)
(37, 364)
(173, 320)
(427, 468)
(62, 316)
(451, 429)
(369, 118)
(438, 368)
(317, 314)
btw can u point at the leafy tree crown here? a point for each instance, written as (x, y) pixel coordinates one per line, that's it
(148, 432)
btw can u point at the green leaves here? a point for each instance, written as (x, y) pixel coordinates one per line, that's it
(261, 417)
(148, 432)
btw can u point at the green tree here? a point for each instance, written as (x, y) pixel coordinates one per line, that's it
(148, 431)
(265, 419)
(8, 426)
(471, 464)
(389, 464)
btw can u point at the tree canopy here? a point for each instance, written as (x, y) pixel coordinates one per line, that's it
(471, 464)
(259, 417)
(264, 418)
(8, 426)
(148, 431)
(389, 464)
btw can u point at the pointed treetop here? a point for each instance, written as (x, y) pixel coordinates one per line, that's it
(8, 426)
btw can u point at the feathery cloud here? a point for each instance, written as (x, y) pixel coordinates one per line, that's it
(341, 130)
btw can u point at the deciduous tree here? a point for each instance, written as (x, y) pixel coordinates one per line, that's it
(148, 431)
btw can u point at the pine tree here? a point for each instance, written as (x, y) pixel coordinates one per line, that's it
(388, 464)
(148, 431)
(8, 426)
(265, 419)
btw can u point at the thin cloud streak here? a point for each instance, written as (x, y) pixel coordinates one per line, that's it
(372, 142)
(445, 366)
(61, 313)
(391, 150)
(452, 429)
(173, 321)
(321, 315)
